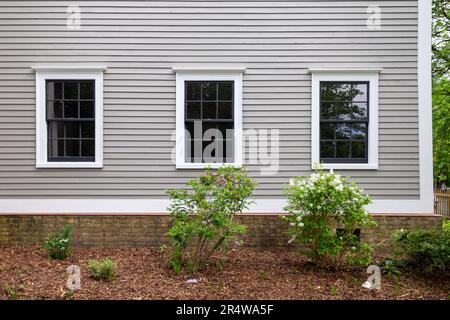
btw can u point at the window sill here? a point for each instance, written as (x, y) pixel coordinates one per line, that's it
(70, 165)
(205, 165)
(350, 166)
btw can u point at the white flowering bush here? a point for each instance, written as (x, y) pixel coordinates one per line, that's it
(325, 210)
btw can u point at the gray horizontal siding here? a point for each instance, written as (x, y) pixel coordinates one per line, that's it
(141, 41)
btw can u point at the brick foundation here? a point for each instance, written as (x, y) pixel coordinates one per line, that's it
(263, 230)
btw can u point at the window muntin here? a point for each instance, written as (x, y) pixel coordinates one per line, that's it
(70, 117)
(209, 121)
(344, 121)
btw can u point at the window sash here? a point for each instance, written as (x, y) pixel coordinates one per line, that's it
(193, 158)
(350, 121)
(75, 120)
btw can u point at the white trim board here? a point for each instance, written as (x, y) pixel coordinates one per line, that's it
(372, 140)
(206, 74)
(136, 206)
(425, 110)
(47, 73)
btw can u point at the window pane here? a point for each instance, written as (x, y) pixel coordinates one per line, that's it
(70, 90)
(328, 111)
(209, 128)
(55, 130)
(228, 151)
(209, 110)
(88, 130)
(88, 148)
(342, 149)
(189, 127)
(358, 149)
(358, 131)
(54, 90)
(54, 109)
(226, 129)
(326, 131)
(359, 111)
(87, 109)
(193, 149)
(209, 91)
(211, 149)
(72, 130)
(226, 90)
(193, 90)
(331, 91)
(87, 90)
(327, 149)
(359, 92)
(70, 109)
(56, 148)
(343, 131)
(193, 110)
(326, 92)
(193, 142)
(343, 111)
(225, 110)
(72, 148)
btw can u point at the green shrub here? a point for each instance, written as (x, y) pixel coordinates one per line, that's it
(446, 225)
(102, 269)
(58, 244)
(325, 211)
(202, 218)
(427, 250)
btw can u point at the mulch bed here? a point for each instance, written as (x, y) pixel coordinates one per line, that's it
(27, 273)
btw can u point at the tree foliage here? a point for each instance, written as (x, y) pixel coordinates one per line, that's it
(441, 90)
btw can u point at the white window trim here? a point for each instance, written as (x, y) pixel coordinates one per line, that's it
(207, 74)
(370, 75)
(44, 73)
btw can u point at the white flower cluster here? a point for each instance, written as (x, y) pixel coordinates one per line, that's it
(316, 178)
(298, 220)
(337, 182)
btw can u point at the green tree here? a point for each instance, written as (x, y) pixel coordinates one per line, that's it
(441, 90)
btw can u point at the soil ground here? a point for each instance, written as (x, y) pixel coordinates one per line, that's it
(26, 272)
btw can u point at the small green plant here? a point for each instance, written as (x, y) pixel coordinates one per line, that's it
(58, 244)
(391, 268)
(427, 250)
(202, 218)
(264, 275)
(102, 269)
(358, 282)
(10, 292)
(325, 212)
(333, 290)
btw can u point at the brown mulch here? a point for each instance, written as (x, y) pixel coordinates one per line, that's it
(27, 273)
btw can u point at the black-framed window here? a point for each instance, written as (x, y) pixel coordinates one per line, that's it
(344, 121)
(209, 121)
(70, 115)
